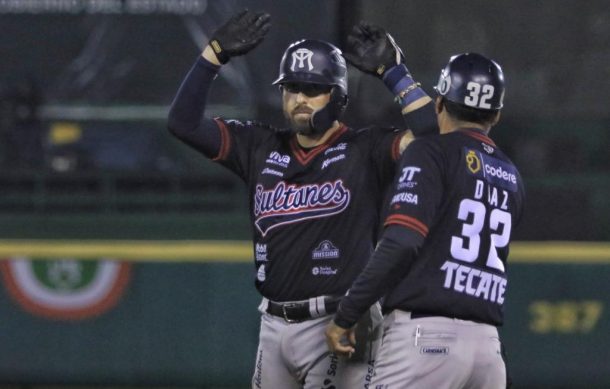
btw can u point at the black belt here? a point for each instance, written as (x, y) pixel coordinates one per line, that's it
(415, 314)
(298, 311)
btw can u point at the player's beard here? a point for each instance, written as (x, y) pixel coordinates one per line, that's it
(299, 123)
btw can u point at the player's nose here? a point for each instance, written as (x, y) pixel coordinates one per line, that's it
(301, 97)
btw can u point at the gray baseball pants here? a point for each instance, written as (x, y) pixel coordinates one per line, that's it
(438, 352)
(295, 355)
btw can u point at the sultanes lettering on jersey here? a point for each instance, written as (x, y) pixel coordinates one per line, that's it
(290, 203)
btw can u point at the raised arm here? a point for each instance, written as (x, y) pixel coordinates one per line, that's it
(239, 35)
(373, 51)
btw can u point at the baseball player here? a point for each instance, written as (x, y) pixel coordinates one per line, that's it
(315, 191)
(441, 262)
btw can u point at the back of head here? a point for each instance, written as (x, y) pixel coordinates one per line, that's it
(472, 88)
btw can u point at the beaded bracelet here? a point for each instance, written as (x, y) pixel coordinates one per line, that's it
(410, 94)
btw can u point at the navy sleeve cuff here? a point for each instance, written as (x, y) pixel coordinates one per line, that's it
(343, 323)
(207, 64)
(422, 121)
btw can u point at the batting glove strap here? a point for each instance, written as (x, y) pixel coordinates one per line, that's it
(397, 79)
(221, 54)
(402, 85)
(240, 34)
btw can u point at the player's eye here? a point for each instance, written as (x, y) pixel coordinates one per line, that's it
(309, 90)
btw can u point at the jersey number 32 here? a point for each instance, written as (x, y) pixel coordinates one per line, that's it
(467, 246)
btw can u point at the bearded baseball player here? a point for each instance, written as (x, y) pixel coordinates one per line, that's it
(441, 262)
(315, 191)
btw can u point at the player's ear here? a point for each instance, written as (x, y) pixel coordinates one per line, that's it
(438, 105)
(496, 119)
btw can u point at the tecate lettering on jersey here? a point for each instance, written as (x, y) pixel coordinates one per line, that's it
(404, 197)
(474, 282)
(325, 250)
(491, 169)
(286, 204)
(278, 159)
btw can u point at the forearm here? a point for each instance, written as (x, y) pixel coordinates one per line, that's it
(417, 107)
(391, 260)
(185, 119)
(421, 117)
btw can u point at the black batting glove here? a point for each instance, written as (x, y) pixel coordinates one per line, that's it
(240, 34)
(372, 50)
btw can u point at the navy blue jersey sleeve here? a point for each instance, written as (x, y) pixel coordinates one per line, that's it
(391, 260)
(385, 150)
(238, 142)
(418, 187)
(185, 119)
(422, 121)
(224, 141)
(417, 193)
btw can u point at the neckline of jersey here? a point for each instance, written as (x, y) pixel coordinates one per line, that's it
(305, 156)
(477, 134)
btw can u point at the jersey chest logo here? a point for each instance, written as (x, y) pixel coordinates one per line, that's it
(286, 204)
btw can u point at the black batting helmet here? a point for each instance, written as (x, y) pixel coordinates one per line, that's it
(315, 62)
(472, 80)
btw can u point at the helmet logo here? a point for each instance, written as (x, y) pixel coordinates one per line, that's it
(444, 83)
(300, 56)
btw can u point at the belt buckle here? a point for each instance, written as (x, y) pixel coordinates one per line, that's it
(289, 305)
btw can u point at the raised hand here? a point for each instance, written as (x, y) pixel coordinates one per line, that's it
(240, 34)
(372, 50)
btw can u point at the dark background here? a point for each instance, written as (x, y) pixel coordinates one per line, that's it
(85, 88)
(109, 69)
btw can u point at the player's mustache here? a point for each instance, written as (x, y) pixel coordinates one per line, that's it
(302, 109)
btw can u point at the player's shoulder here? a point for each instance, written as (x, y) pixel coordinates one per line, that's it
(254, 127)
(376, 130)
(432, 141)
(251, 124)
